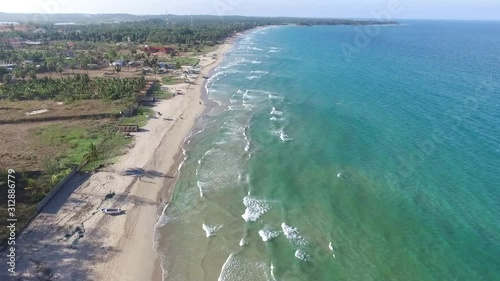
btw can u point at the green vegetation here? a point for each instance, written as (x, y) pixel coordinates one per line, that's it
(25, 202)
(161, 94)
(97, 146)
(185, 61)
(94, 43)
(178, 30)
(203, 50)
(171, 80)
(85, 146)
(140, 119)
(74, 88)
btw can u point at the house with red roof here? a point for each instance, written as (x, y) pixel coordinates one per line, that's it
(158, 49)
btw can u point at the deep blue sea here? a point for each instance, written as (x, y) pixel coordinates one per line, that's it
(330, 155)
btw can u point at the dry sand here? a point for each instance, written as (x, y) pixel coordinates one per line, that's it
(115, 247)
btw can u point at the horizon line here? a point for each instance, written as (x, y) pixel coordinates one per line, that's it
(255, 16)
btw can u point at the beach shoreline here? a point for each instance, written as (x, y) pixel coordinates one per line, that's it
(118, 247)
(167, 191)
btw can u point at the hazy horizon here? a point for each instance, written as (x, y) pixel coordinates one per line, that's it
(366, 9)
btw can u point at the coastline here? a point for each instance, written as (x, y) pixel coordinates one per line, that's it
(200, 90)
(137, 259)
(118, 247)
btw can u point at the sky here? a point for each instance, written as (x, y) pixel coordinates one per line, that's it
(386, 9)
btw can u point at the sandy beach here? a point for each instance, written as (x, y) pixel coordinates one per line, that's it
(116, 247)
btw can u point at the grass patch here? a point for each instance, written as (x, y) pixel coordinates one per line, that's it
(110, 147)
(185, 61)
(204, 49)
(161, 94)
(171, 80)
(74, 144)
(25, 207)
(140, 119)
(73, 141)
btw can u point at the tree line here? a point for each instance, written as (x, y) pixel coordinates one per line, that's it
(77, 87)
(202, 30)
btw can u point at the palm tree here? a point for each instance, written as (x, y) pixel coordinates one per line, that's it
(33, 186)
(118, 68)
(32, 74)
(7, 78)
(60, 70)
(155, 69)
(92, 153)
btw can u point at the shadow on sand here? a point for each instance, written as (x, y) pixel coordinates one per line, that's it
(62, 196)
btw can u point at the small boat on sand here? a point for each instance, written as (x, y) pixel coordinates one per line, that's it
(111, 211)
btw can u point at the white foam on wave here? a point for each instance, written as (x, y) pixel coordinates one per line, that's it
(330, 246)
(273, 51)
(256, 62)
(281, 134)
(302, 255)
(243, 242)
(274, 118)
(211, 230)
(293, 235)
(183, 159)
(259, 72)
(225, 268)
(233, 99)
(238, 107)
(254, 208)
(221, 142)
(274, 111)
(239, 268)
(249, 106)
(273, 97)
(162, 220)
(252, 77)
(246, 95)
(234, 129)
(201, 187)
(268, 234)
(272, 271)
(247, 146)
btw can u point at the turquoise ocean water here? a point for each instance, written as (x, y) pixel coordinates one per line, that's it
(381, 163)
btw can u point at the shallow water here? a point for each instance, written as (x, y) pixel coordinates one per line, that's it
(381, 165)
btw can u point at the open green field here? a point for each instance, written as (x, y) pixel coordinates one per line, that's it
(141, 119)
(59, 146)
(171, 80)
(185, 61)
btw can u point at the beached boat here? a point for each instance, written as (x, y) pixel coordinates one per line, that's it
(111, 211)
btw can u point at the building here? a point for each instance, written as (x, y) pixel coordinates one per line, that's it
(118, 63)
(134, 63)
(14, 42)
(7, 65)
(40, 30)
(93, 66)
(33, 43)
(155, 50)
